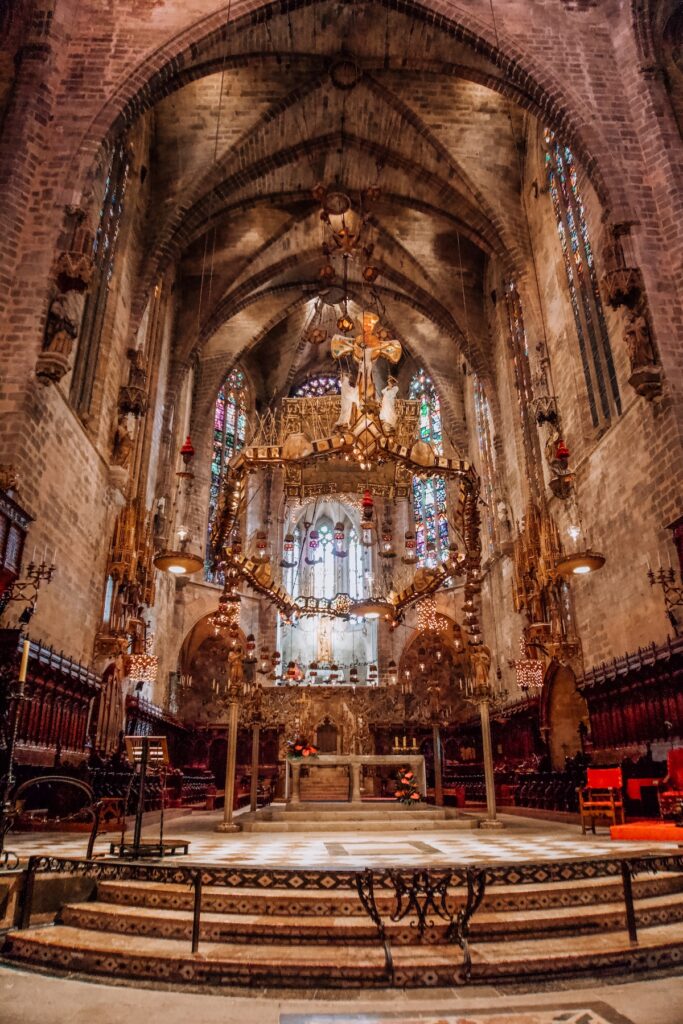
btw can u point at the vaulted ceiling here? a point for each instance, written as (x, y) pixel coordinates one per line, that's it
(350, 97)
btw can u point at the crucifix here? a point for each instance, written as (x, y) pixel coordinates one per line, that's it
(366, 349)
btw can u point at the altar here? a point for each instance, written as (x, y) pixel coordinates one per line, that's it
(354, 763)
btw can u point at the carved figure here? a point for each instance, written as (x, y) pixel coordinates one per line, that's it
(387, 412)
(137, 374)
(349, 399)
(639, 341)
(366, 349)
(63, 320)
(481, 656)
(123, 443)
(235, 667)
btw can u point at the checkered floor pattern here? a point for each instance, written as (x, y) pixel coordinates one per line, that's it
(522, 840)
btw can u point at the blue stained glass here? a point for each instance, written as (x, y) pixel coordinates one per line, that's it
(230, 412)
(591, 328)
(429, 496)
(318, 385)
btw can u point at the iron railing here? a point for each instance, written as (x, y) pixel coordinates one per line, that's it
(418, 894)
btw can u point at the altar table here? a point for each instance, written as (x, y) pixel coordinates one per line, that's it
(354, 763)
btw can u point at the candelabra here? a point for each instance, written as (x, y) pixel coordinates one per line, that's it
(27, 589)
(673, 592)
(405, 747)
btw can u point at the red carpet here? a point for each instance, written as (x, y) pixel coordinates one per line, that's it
(649, 830)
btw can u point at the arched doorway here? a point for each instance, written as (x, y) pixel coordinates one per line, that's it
(564, 709)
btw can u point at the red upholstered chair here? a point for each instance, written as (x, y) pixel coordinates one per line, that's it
(601, 797)
(671, 794)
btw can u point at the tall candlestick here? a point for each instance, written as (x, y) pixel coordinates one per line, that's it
(24, 662)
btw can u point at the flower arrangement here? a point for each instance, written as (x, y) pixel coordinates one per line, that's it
(297, 749)
(407, 791)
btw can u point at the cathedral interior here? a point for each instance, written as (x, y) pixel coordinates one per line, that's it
(341, 516)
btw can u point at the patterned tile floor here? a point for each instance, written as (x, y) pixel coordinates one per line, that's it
(552, 1014)
(521, 840)
(32, 998)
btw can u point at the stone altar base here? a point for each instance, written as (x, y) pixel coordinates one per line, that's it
(357, 818)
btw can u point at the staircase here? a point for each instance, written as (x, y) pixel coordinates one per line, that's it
(309, 929)
(356, 818)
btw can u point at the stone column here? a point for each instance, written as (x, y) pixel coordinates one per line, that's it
(438, 768)
(228, 825)
(491, 820)
(355, 782)
(255, 742)
(294, 796)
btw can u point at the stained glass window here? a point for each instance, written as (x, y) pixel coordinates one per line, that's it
(594, 345)
(317, 385)
(525, 393)
(483, 419)
(229, 430)
(429, 496)
(103, 251)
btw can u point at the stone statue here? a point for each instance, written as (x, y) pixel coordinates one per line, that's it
(123, 443)
(235, 667)
(387, 412)
(639, 341)
(61, 330)
(481, 656)
(137, 373)
(349, 399)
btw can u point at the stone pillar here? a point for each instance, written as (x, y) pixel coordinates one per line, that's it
(491, 821)
(438, 766)
(228, 825)
(255, 741)
(295, 796)
(355, 782)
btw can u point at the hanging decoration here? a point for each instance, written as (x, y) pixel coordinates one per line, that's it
(529, 671)
(338, 550)
(182, 561)
(141, 667)
(313, 544)
(287, 561)
(427, 618)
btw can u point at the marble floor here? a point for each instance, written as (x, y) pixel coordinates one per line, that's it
(521, 840)
(28, 998)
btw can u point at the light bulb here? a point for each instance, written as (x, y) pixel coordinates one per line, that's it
(581, 570)
(574, 532)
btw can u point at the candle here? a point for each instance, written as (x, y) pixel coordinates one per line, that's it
(24, 662)
(396, 743)
(412, 743)
(404, 743)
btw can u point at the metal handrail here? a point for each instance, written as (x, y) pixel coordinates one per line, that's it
(422, 890)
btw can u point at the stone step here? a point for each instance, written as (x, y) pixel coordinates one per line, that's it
(345, 902)
(83, 951)
(369, 807)
(343, 930)
(358, 826)
(356, 812)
